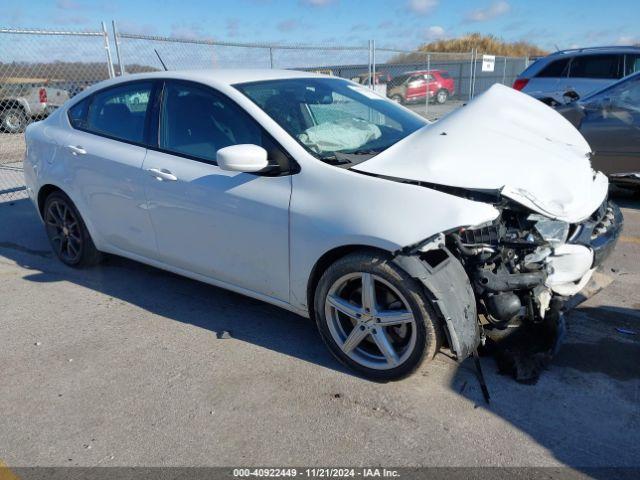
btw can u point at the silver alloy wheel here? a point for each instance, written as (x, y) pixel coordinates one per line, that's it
(442, 96)
(370, 321)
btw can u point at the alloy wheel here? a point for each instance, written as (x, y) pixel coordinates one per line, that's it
(64, 231)
(370, 321)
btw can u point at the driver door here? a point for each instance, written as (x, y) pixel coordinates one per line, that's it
(228, 226)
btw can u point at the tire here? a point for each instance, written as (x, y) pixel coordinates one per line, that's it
(13, 120)
(397, 98)
(356, 338)
(442, 96)
(68, 235)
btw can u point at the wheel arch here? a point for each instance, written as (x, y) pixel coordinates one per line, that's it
(325, 261)
(43, 193)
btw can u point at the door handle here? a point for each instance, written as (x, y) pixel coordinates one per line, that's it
(162, 174)
(77, 150)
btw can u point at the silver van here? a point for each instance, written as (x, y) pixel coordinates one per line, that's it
(582, 71)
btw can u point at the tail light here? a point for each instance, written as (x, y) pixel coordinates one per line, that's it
(43, 95)
(520, 83)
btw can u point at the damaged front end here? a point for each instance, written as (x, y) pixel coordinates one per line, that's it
(521, 270)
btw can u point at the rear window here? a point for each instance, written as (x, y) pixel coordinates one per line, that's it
(78, 114)
(632, 64)
(595, 66)
(556, 68)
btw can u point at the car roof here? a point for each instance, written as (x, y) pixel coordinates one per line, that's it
(605, 49)
(223, 76)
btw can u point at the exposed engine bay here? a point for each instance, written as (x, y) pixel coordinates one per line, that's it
(524, 266)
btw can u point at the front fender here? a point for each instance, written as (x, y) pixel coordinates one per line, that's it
(450, 292)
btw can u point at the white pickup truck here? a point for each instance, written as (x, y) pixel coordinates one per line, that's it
(20, 103)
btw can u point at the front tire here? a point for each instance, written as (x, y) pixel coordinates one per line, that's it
(67, 232)
(374, 317)
(397, 98)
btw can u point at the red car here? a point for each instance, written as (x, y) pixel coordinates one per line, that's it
(415, 86)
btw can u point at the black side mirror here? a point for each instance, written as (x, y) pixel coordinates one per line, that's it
(570, 96)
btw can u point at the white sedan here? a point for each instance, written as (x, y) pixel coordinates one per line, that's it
(397, 236)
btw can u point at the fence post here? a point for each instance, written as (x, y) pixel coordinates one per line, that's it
(426, 102)
(270, 57)
(373, 64)
(471, 76)
(370, 69)
(504, 71)
(116, 41)
(105, 34)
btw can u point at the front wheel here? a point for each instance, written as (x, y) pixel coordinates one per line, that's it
(375, 318)
(397, 98)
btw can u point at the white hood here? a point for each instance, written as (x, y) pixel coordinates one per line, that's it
(507, 141)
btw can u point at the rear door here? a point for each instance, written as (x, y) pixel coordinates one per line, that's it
(104, 153)
(548, 82)
(590, 73)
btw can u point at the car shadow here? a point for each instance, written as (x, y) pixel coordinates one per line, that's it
(584, 408)
(625, 197)
(164, 293)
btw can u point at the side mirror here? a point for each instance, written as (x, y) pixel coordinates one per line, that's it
(242, 158)
(570, 96)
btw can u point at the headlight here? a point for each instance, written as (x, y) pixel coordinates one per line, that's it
(554, 232)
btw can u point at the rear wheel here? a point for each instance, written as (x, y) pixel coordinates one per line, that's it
(375, 318)
(13, 120)
(67, 232)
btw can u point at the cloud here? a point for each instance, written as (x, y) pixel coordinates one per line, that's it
(435, 32)
(422, 7)
(68, 5)
(317, 3)
(288, 25)
(386, 24)
(494, 10)
(627, 40)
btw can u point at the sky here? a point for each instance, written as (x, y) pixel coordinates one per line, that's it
(405, 24)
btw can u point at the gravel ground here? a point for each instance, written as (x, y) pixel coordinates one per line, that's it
(126, 365)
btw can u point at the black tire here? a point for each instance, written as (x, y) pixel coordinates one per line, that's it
(13, 120)
(442, 96)
(428, 334)
(67, 232)
(397, 98)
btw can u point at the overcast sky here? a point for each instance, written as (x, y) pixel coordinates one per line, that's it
(401, 23)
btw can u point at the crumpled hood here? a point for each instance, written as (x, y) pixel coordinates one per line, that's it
(506, 141)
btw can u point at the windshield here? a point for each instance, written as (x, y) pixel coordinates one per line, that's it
(335, 120)
(623, 94)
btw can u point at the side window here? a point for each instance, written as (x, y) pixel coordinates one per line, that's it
(595, 66)
(78, 114)
(120, 111)
(632, 64)
(557, 68)
(196, 121)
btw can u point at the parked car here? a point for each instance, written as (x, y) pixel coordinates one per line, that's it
(380, 80)
(22, 102)
(610, 121)
(396, 235)
(582, 70)
(416, 86)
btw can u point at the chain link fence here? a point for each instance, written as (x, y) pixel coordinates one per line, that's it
(40, 70)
